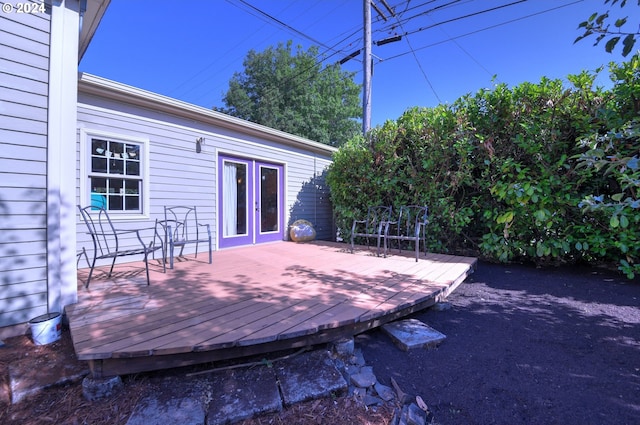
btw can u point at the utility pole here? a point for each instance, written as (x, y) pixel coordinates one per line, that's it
(368, 64)
(368, 58)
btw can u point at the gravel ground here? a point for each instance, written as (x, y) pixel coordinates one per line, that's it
(526, 346)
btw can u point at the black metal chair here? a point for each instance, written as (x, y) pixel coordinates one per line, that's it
(372, 226)
(410, 226)
(181, 227)
(107, 240)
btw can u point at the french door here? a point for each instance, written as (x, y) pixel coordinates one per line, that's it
(250, 201)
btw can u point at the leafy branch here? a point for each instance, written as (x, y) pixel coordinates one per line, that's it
(616, 154)
(600, 24)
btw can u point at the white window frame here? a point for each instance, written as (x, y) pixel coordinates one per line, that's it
(86, 136)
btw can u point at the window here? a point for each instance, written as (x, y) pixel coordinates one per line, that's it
(115, 171)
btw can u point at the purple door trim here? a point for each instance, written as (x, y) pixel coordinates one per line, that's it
(253, 234)
(269, 236)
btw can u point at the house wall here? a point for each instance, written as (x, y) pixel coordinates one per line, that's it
(24, 75)
(178, 175)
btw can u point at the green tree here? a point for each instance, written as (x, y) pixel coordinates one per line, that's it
(600, 24)
(294, 93)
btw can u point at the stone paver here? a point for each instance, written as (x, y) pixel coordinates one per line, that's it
(308, 376)
(364, 378)
(412, 333)
(230, 396)
(178, 401)
(97, 388)
(27, 378)
(242, 393)
(385, 392)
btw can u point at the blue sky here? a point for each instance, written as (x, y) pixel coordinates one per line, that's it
(189, 49)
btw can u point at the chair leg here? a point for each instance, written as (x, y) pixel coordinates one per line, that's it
(164, 258)
(93, 264)
(86, 257)
(210, 254)
(146, 266)
(113, 263)
(171, 256)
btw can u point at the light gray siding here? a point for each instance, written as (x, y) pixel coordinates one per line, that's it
(309, 196)
(24, 59)
(178, 175)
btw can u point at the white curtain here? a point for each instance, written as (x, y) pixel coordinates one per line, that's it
(230, 199)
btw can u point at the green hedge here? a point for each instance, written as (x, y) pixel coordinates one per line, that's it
(538, 172)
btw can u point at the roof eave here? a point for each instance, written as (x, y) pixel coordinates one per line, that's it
(91, 17)
(102, 87)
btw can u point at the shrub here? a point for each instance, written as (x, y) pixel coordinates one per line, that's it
(539, 172)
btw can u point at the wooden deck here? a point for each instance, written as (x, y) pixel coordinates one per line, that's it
(251, 300)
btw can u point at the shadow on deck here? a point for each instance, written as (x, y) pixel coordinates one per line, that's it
(251, 300)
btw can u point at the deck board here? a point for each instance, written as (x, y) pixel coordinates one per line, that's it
(250, 299)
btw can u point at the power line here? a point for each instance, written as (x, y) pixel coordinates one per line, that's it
(334, 51)
(442, 6)
(424, 74)
(268, 19)
(215, 61)
(282, 24)
(483, 29)
(492, 9)
(465, 52)
(426, 12)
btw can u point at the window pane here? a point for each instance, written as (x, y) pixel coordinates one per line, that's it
(98, 147)
(131, 187)
(98, 185)
(242, 199)
(133, 151)
(98, 201)
(116, 166)
(133, 168)
(98, 165)
(268, 199)
(132, 203)
(235, 199)
(115, 203)
(116, 186)
(116, 149)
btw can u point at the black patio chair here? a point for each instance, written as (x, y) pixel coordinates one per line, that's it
(372, 226)
(108, 241)
(410, 225)
(181, 227)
